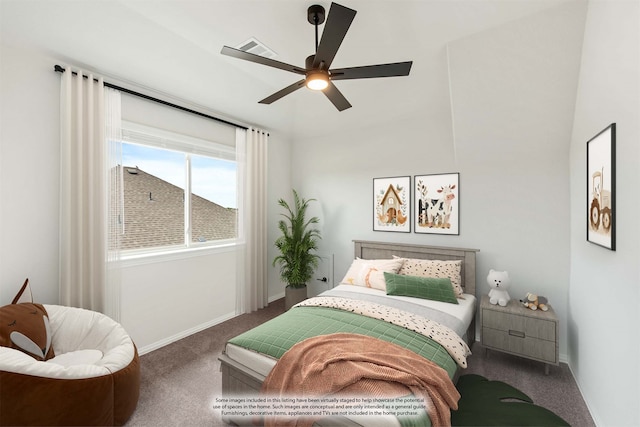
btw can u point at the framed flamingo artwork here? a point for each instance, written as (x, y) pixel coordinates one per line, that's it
(437, 203)
(392, 204)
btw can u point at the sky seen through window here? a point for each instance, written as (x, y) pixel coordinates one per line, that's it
(212, 179)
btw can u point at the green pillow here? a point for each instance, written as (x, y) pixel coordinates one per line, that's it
(433, 288)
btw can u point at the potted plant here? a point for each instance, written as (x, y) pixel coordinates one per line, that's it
(299, 240)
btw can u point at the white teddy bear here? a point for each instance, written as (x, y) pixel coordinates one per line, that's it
(499, 282)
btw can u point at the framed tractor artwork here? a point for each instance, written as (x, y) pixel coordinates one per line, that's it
(601, 188)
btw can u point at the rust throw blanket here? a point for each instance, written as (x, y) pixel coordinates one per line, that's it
(357, 365)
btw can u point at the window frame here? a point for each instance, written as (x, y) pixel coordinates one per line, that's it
(156, 138)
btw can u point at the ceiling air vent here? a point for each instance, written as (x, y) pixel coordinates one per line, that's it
(257, 48)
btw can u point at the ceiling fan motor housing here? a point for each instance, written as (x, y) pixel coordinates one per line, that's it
(315, 14)
(308, 63)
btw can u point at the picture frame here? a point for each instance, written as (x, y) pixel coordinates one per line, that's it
(437, 203)
(601, 188)
(392, 204)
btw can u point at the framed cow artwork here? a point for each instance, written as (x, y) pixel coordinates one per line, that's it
(392, 204)
(437, 203)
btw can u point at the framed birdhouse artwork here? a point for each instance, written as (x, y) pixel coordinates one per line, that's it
(392, 204)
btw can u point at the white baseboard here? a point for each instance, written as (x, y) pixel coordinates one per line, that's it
(564, 359)
(158, 344)
(166, 341)
(594, 417)
(272, 298)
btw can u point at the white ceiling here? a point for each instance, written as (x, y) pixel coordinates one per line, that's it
(173, 46)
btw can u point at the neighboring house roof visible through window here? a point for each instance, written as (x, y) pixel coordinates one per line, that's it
(154, 214)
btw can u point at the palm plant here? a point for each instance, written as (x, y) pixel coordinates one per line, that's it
(296, 244)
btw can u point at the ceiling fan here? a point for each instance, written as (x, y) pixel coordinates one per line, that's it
(317, 73)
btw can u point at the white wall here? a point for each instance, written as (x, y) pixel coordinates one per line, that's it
(29, 174)
(507, 132)
(168, 299)
(279, 186)
(161, 301)
(165, 300)
(604, 298)
(338, 171)
(513, 95)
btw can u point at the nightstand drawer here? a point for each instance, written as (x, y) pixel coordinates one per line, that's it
(513, 342)
(520, 325)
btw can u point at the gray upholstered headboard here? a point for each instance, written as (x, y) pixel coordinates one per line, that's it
(382, 250)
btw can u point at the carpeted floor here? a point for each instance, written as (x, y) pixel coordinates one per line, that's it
(557, 391)
(180, 381)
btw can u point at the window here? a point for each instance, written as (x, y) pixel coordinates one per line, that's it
(158, 169)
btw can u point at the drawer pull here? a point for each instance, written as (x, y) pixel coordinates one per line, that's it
(516, 333)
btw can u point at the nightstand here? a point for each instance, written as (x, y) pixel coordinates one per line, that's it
(517, 330)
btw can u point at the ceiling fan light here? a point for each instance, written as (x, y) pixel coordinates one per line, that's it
(317, 80)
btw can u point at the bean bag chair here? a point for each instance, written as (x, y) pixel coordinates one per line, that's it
(65, 366)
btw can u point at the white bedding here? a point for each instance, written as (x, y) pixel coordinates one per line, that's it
(464, 311)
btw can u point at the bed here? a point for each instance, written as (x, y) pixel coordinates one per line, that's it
(244, 368)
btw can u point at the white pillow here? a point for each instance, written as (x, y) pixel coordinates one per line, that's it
(370, 272)
(434, 268)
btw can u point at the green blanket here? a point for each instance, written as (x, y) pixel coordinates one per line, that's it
(276, 336)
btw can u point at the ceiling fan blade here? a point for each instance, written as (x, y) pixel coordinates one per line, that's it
(286, 91)
(338, 22)
(372, 71)
(336, 97)
(240, 54)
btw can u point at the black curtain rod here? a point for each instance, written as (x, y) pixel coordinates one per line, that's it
(61, 69)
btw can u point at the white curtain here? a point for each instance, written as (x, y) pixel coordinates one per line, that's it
(252, 291)
(115, 204)
(83, 192)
